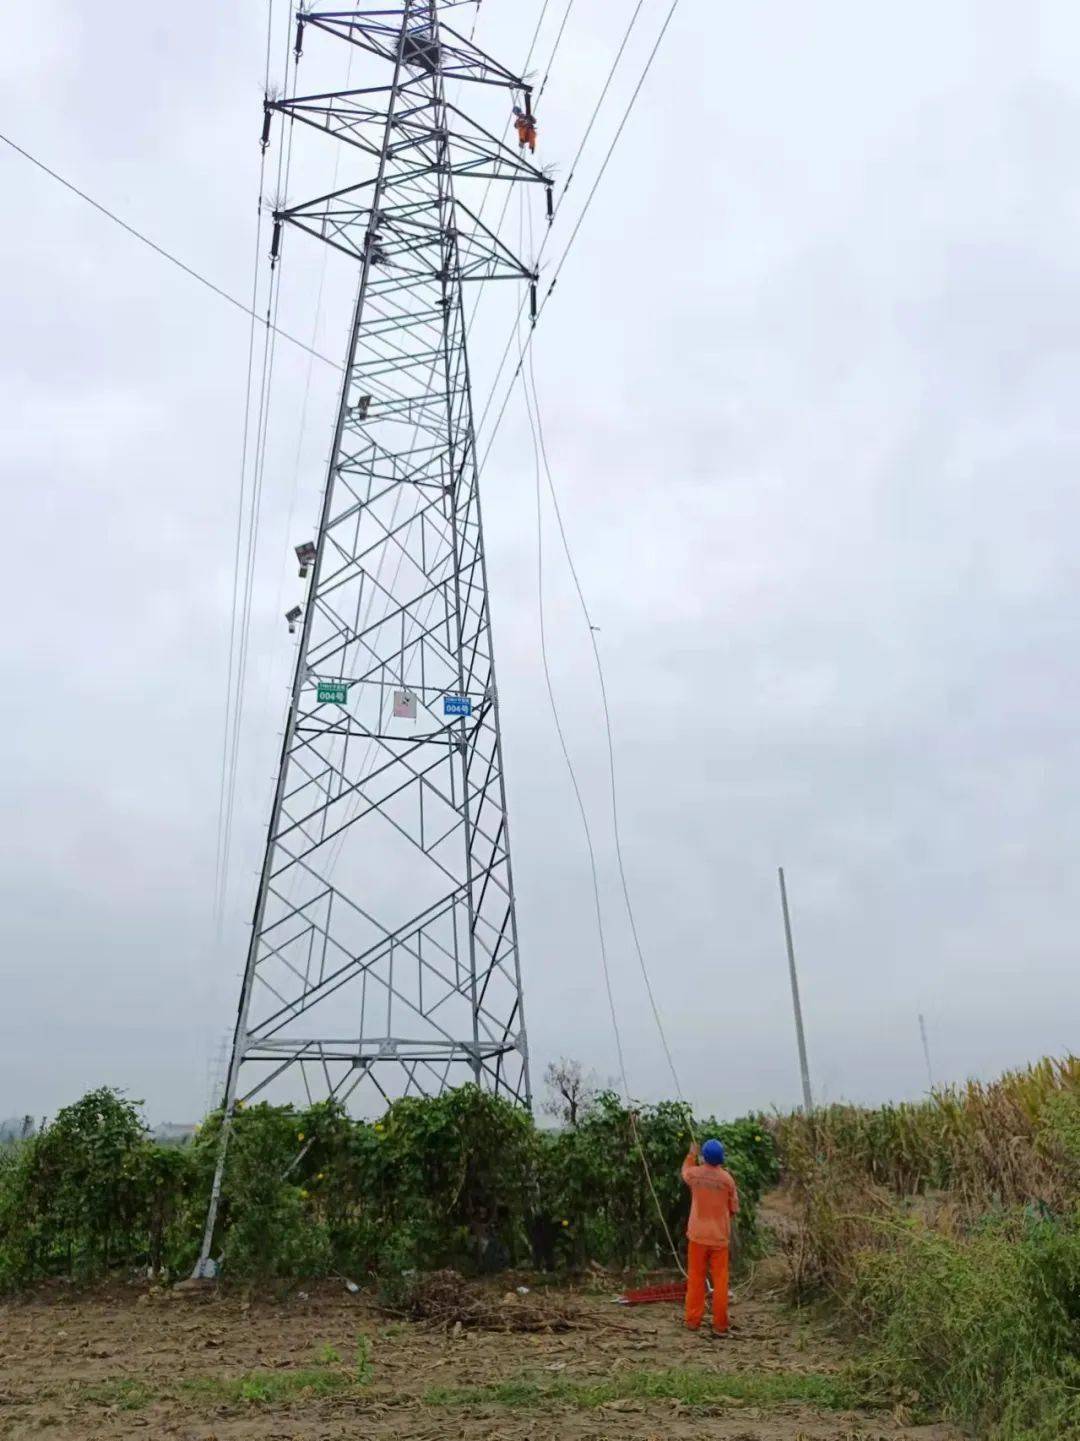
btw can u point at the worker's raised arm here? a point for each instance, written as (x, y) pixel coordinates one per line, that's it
(689, 1164)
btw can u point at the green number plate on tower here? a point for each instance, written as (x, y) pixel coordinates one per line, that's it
(332, 690)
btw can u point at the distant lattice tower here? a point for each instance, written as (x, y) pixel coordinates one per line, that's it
(384, 946)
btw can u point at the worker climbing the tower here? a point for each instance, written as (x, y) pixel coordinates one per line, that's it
(714, 1200)
(525, 125)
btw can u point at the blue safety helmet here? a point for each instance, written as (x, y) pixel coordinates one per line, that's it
(712, 1153)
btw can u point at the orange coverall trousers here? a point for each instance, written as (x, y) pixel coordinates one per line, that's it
(699, 1259)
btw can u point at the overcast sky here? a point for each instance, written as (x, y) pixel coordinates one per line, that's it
(809, 389)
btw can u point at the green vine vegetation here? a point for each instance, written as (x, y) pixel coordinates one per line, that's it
(462, 1180)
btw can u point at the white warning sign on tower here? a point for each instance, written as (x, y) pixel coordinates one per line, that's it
(405, 704)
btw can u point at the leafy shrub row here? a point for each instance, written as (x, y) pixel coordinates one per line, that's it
(462, 1180)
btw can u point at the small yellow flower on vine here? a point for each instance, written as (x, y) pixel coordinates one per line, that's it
(566, 1223)
(299, 1135)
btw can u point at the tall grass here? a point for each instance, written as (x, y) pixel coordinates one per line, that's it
(948, 1233)
(1008, 1142)
(982, 1326)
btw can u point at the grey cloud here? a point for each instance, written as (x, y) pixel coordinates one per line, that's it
(808, 390)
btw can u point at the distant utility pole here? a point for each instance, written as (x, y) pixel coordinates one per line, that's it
(926, 1050)
(808, 1100)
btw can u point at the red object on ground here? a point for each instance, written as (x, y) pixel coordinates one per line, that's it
(647, 1294)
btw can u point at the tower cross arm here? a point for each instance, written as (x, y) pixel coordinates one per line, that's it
(453, 55)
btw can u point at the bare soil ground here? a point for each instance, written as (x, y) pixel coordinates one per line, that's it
(128, 1363)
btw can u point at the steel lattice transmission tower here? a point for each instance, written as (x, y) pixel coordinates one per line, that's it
(384, 945)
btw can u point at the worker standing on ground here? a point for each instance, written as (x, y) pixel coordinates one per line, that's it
(714, 1200)
(525, 125)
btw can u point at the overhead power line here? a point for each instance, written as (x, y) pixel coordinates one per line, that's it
(236, 639)
(227, 782)
(573, 236)
(601, 98)
(536, 426)
(555, 49)
(528, 380)
(532, 410)
(160, 250)
(238, 679)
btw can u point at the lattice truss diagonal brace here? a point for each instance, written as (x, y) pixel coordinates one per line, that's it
(384, 944)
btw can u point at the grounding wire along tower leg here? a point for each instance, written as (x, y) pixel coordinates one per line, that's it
(384, 945)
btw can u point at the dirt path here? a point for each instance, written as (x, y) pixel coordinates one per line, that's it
(125, 1364)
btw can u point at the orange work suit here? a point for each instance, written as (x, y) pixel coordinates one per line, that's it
(714, 1200)
(526, 129)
